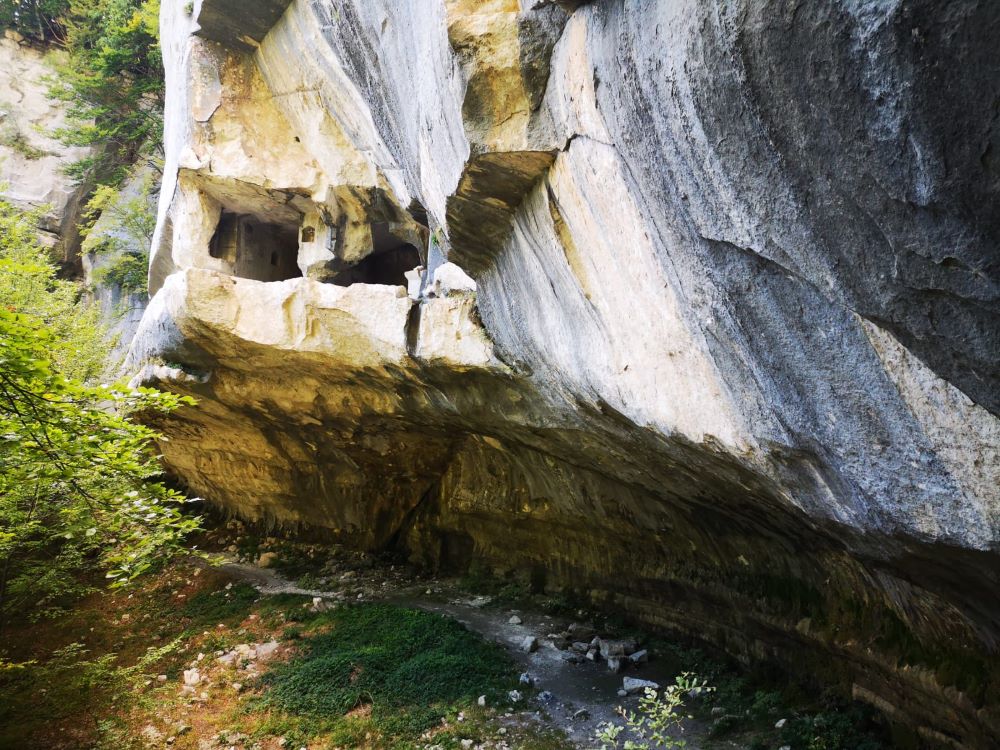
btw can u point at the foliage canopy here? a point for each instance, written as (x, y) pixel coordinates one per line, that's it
(75, 472)
(113, 84)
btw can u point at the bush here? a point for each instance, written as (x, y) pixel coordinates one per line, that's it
(76, 489)
(657, 723)
(128, 271)
(848, 729)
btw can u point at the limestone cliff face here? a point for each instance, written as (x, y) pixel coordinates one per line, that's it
(31, 161)
(729, 354)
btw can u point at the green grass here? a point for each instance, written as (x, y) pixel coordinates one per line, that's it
(410, 667)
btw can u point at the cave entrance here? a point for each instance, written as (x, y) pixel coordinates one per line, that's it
(256, 249)
(390, 258)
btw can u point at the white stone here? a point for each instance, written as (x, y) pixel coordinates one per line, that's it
(449, 279)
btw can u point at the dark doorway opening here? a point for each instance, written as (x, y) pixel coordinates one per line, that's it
(255, 249)
(389, 260)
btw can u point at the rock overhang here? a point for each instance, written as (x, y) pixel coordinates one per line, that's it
(651, 370)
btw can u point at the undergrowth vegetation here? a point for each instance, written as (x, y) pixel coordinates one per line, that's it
(388, 671)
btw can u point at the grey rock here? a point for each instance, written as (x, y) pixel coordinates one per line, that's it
(635, 686)
(617, 647)
(639, 657)
(529, 643)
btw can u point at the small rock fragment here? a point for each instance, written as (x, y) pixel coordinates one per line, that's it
(267, 559)
(526, 679)
(639, 657)
(515, 696)
(266, 650)
(581, 715)
(634, 686)
(482, 700)
(515, 620)
(780, 723)
(616, 664)
(529, 644)
(617, 648)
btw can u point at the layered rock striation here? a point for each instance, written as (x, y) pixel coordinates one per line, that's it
(687, 307)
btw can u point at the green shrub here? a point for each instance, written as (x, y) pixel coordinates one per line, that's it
(128, 271)
(847, 729)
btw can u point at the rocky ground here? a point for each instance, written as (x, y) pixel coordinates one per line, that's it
(240, 652)
(570, 676)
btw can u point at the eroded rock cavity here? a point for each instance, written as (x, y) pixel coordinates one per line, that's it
(728, 355)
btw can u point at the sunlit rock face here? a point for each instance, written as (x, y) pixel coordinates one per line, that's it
(32, 162)
(726, 356)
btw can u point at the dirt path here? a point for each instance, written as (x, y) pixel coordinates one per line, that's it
(564, 688)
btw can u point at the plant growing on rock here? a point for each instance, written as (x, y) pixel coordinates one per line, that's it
(658, 720)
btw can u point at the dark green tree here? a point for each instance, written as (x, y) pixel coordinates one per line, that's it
(113, 84)
(40, 20)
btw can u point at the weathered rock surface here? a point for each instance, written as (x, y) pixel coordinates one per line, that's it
(31, 161)
(118, 235)
(731, 356)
